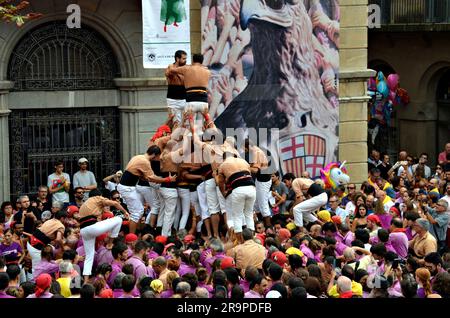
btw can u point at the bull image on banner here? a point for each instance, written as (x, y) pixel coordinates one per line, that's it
(166, 29)
(275, 65)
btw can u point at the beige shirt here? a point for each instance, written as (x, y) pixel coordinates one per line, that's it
(94, 206)
(51, 227)
(423, 245)
(249, 253)
(259, 158)
(233, 165)
(140, 166)
(301, 184)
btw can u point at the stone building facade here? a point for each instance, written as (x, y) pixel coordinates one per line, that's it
(135, 104)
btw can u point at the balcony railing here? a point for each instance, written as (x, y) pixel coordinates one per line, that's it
(413, 12)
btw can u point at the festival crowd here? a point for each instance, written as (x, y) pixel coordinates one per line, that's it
(199, 216)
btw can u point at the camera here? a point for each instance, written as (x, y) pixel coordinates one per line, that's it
(398, 261)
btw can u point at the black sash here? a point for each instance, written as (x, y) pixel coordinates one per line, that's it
(197, 94)
(87, 221)
(129, 179)
(176, 92)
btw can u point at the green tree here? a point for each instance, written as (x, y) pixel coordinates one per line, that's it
(12, 11)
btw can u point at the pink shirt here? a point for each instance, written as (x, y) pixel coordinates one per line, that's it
(252, 294)
(167, 293)
(139, 268)
(116, 269)
(4, 295)
(104, 256)
(399, 242)
(44, 295)
(45, 267)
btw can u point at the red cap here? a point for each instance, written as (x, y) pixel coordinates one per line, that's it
(106, 293)
(130, 237)
(261, 237)
(101, 238)
(395, 210)
(374, 218)
(227, 262)
(284, 234)
(161, 239)
(189, 238)
(279, 258)
(71, 210)
(336, 219)
(107, 215)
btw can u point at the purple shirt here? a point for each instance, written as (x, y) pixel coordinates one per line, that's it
(44, 295)
(126, 296)
(252, 294)
(210, 261)
(167, 293)
(409, 233)
(306, 251)
(209, 288)
(340, 247)
(385, 220)
(186, 269)
(10, 252)
(45, 267)
(104, 256)
(4, 295)
(116, 269)
(399, 242)
(117, 293)
(139, 268)
(152, 255)
(245, 286)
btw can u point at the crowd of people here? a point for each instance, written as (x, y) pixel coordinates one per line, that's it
(200, 216)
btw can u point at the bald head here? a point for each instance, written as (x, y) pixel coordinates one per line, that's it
(344, 284)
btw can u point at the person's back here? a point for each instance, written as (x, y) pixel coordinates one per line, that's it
(196, 75)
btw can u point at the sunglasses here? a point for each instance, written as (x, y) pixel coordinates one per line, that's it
(78, 192)
(351, 188)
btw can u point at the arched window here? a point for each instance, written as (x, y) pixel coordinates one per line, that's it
(54, 57)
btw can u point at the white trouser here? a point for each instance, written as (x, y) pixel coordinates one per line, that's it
(196, 107)
(169, 198)
(89, 234)
(150, 196)
(195, 203)
(184, 196)
(303, 210)
(262, 197)
(203, 202)
(240, 207)
(211, 196)
(176, 107)
(222, 203)
(134, 203)
(35, 255)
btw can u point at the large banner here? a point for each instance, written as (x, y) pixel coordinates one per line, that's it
(166, 29)
(275, 68)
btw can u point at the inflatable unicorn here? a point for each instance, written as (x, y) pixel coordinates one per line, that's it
(334, 175)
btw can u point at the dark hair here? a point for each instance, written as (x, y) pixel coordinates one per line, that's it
(357, 214)
(153, 150)
(179, 54)
(295, 261)
(256, 281)
(312, 286)
(411, 215)
(28, 288)
(397, 222)
(69, 255)
(362, 235)
(4, 281)
(47, 252)
(409, 287)
(94, 193)
(329, 226)
(275, 271)
(87, 291)
(202, 274)
(433, 258)
(295, 282)
(441, 284)
(158, 248)
(13, 271)
(103, 268)
(298, 293)
(58, 163)
(175, 283)
(118, 248)
(219, 278)
(60, 214)
(55, 288)
(232, 275)
(197, 58)
(378, 249)
(191, 279)
(128, 269)
(360, 273)
(128, 283)
(288, 176)
(279, 287)
(220, 291)
(140, 246)
(383, 235)
(237, 292)
(348, 271)
(247, 234)
(2, 210)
